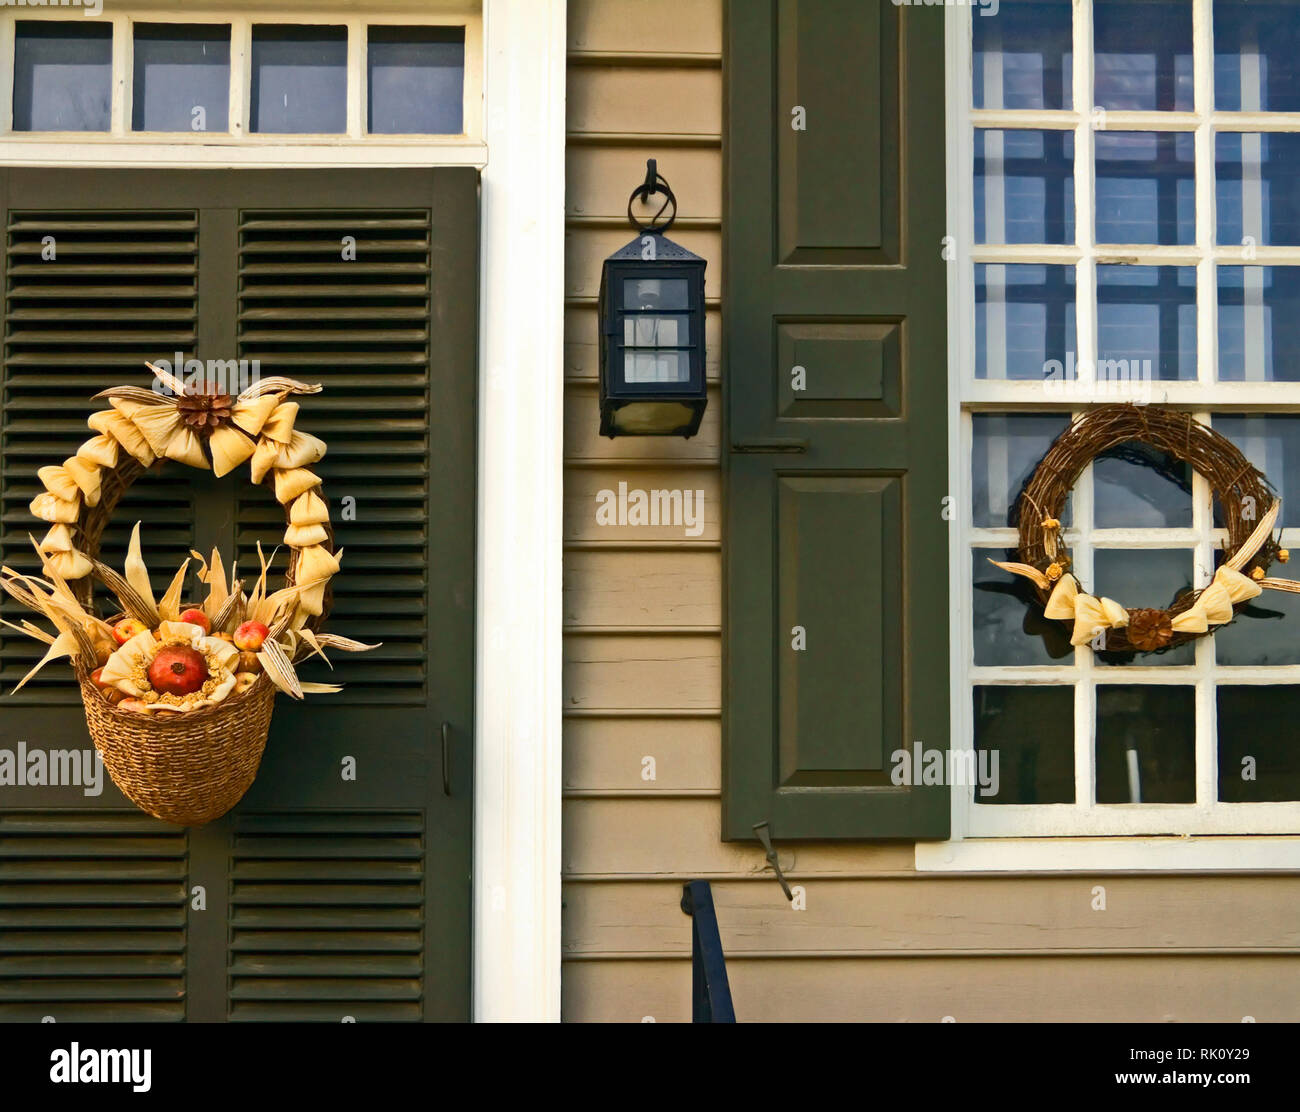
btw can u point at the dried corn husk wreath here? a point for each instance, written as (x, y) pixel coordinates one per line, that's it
(183, 758)
(1249, 504)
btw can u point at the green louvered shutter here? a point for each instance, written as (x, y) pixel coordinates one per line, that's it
(836, 387)
(325, 897)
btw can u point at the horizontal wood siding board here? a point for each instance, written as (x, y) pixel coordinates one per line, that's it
(1003, 914)
(684, 26)
(1034, 988)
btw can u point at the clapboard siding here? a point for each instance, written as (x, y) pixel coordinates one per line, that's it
(642, 608)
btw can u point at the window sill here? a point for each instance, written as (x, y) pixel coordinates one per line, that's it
(1190, 853)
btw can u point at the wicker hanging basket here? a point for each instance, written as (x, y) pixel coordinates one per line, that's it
(185, 764)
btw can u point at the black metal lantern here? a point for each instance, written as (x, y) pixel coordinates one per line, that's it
(652, 329)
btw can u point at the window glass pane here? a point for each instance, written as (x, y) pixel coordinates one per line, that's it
(1146, 744)
(1272, 443)
(1008, 623)
(181, 79)
(1140, 578)
(1030, 730)
(656, 366)
(656, 293)
(1259, 323)
(1024, 186)
(1146, 319)
(417, 78)
(1146, 190)
(1258, 757)
(1256, 44)
(1006, 448)
(1257, 184)
(1143, 54)
(1023, 56)
(1263, 632)
(1137, 487)
(656, 331)
(299, 79)
(63, 76)
(1024, 322)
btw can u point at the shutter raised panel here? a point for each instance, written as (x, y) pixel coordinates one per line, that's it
(836, 548)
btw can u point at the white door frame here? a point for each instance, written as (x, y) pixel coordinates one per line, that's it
(517, 774)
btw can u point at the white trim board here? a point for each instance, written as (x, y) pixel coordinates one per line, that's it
(517, 777)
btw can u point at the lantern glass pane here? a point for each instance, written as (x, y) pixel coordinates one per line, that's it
(656, 366)
(656, 331)
(656, 293)
(652, 418)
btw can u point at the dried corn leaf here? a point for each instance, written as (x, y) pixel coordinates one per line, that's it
(335, 641)
(133, 603)
(278, 384)
(64, 645)
(137, 574)
(169, 609)
(30, 629)
(310, 688)
(314, 643)
(279, 670)
(174, 384)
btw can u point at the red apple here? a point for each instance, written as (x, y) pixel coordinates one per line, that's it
(132, 704)
(97, 678)
(250, 635)
(126, 629)
(196, 617)
(177, 670)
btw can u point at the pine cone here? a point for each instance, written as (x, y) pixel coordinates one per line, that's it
(1149, 630)
(204, 412)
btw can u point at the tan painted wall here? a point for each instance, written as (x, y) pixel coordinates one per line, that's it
(642, 611)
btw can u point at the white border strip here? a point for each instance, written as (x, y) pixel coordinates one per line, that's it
(517, 782)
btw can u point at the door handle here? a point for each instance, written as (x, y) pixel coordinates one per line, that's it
(792, 445)
(446, 758)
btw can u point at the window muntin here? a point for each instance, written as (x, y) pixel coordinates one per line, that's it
(1193, 306)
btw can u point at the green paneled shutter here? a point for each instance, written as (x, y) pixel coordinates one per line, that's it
(836, 394)
(325, 897)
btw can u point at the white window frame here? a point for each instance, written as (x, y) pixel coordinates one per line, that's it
(237, 146)
(1202, 835)
(517, 747)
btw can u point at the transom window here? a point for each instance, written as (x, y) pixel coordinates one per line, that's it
(1125, 189)
(200, 78)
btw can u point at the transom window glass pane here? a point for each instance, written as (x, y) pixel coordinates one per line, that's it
(299, 80)
(1143, 54)
(181, 79)
(1024, 186)
(1023, 56)
(1146, 189)
(1259, 323)
(417, 78)
(63, 75)
(1024, 322)
(1256, 44)
(1146, 319)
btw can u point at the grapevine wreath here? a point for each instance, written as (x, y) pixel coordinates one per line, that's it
(178, 695)
(1247, 501)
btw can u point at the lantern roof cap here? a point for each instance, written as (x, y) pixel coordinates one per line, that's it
(665, 251)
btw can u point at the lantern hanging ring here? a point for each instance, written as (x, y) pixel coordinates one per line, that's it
(654, 183)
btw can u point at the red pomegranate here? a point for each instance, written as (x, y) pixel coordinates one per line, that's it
(177, 670)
